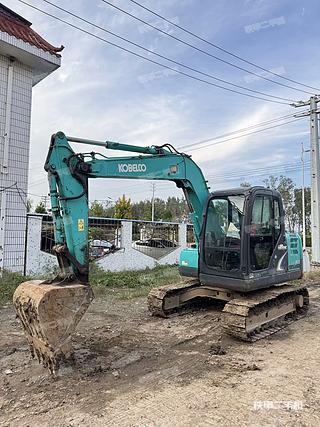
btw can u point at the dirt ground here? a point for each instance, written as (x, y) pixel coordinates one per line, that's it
(135, 370)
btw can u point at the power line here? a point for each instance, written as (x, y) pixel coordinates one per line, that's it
(287, 101)
(219, 137)
(263, 168)
(258, 172)
(279, 168)
(288, 167)
(201, 50)
(40, 181)
(240, 136)
(7, 188)
(221, 48)
(253, 173)
(22, 199)
(265, 174)
(274, 120)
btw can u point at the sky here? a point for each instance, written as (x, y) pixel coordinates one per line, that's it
(103, 93)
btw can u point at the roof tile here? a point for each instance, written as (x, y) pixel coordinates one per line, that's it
(13, 24)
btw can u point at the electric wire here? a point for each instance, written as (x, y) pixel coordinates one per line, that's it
(247, 174)
(275, 169)
(260, 169)
(221, 48)
(280, 167)
(201, 50)
(274, 120)
(22, 199)
(237, 137)
(263, 172)
(7, 188)
(37, 182)
(287, 101)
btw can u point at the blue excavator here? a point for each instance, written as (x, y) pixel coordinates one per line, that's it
(242, 253)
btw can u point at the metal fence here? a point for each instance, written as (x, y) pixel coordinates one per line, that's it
(190, 236)
(155, 239)
(104, 236)
(14, 243)
(12, 227)
(116, 244)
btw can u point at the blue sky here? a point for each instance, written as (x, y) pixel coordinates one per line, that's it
(103, 93)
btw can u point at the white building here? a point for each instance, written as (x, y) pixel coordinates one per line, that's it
(25, 59)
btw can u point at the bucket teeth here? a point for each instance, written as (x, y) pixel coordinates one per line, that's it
(49, 314)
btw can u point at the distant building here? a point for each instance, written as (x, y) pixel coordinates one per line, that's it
(25, 59)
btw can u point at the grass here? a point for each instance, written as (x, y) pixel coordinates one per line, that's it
(8, 284)
(123, 285)
(132, 283)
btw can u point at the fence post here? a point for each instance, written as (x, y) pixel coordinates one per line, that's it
(33, 245)
(25, 246)
(183, 235)
(126, 234)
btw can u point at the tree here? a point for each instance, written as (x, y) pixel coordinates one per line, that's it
(29, 205)
(271, 182)
(97, 209)
(286, 188)
(123, 208)
(298, 208)
(172, 209)
(245, 184)
(40, 208)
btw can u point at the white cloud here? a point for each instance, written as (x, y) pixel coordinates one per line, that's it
(98, 93)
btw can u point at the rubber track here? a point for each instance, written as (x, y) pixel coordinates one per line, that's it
(237, 311)
(157, 296)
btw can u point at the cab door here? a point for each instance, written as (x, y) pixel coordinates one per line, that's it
(266, 235)
(221, 237)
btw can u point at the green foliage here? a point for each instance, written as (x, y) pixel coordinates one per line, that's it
(123, 285)
(8, 284)
(97, 209)
(292, 202)
(172, 209)
(40, 208)
(29, 205)
(298, 210)
(131, 283)
(123, 208)
(245, 184)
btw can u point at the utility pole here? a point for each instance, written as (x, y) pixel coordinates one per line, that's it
(303, 198)
(152, 201)
(315, 183)
(315, 174)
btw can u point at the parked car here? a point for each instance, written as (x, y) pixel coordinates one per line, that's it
(99, 248)
(156, 242)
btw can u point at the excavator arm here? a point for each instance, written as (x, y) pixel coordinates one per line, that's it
(51, 310)
(68, 175)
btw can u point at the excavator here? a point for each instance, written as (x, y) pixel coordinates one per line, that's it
(242, 254)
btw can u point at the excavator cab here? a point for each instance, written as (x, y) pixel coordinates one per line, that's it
(243, 243)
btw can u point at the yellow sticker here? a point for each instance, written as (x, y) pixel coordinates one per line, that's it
(80, 224)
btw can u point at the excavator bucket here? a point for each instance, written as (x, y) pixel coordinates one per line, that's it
(49, 314)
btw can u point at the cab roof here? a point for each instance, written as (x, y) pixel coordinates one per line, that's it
(245, 191)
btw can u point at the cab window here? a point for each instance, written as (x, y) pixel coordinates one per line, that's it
(277, 219)
(222, 240)
(261, 233)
